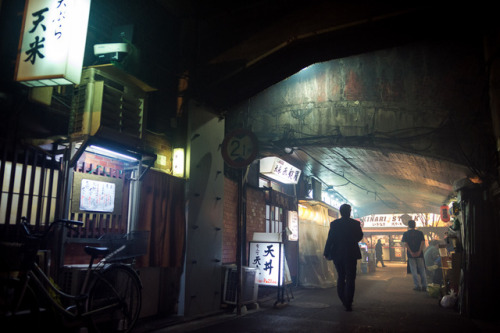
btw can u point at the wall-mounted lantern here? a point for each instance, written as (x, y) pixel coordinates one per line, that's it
(52, 43)
(178, 162)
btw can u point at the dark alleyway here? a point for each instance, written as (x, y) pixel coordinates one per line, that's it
(384, 302)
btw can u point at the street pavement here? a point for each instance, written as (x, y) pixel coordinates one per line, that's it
(384, 302)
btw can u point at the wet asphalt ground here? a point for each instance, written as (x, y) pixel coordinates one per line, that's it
(384, 302)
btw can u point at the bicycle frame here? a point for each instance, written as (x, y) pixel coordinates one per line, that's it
(33, 287)
(44, 285)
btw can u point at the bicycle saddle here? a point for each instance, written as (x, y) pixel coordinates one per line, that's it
(96, 251)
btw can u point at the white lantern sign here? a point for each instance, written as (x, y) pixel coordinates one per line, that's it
(52, 42)
(277, 169)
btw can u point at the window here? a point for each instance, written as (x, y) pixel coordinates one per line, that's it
(274, 219)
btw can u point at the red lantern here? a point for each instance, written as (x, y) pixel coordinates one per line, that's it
(445, 216)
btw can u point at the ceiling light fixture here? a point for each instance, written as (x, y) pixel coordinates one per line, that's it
(111, 153)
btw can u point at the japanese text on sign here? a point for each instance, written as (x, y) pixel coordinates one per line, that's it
(97, 196)
(268, 259)
(52, 42)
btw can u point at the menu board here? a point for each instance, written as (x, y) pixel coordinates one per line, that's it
(97, 196)
(95, 193)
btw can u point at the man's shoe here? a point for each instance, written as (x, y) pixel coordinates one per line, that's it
(423, 289)
(348, 308)
(417, 289)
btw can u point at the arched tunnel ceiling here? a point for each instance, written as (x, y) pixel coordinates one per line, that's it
(381, 182)
(389, 130)
(396, 113)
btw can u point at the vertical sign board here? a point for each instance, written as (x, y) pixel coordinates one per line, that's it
(293, 225)
(268, 258)
(52, 42)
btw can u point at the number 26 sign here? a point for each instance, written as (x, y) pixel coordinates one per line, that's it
(239, 148)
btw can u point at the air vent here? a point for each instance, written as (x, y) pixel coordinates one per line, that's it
(103, 101)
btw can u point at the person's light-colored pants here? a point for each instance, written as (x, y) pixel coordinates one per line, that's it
(417, 267)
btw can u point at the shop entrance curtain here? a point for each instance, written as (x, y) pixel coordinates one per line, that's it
(161, 212)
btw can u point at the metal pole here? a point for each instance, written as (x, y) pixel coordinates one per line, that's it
(238, 241)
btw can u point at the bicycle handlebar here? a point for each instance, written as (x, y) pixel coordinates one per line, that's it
(70, 222)
(67, 223)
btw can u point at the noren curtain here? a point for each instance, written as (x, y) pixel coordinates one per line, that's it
(162, 213)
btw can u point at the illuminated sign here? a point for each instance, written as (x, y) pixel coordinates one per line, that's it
(268, 258)
(178, 162)
(52, 42)
(277, 169)
(400, 220)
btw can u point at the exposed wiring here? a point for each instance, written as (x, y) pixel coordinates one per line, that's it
(348, 180)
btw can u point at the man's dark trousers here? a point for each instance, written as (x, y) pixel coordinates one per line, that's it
(346, 271)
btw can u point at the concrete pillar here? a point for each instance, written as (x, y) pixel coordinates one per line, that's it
(201, 280)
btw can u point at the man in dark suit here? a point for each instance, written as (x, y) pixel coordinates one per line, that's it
(379, 253)
(342, 247)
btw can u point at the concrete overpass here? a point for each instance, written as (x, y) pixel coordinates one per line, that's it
(386, 104)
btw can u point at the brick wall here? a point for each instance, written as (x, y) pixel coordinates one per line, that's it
(256, 213)
(230, 219)
(256, 218)
(100, 165)
(162, 147)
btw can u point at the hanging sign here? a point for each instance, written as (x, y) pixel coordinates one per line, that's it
(276, 168)
(52, 42)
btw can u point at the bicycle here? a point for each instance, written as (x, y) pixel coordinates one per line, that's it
(109, 301)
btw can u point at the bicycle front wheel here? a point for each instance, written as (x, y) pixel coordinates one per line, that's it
(114, 300)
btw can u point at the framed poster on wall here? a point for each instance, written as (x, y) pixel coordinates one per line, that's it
(93, 193)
